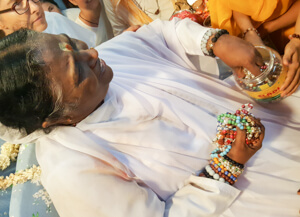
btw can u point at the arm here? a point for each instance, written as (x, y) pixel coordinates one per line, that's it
(81, 185)
(287, 19)
(244, 23)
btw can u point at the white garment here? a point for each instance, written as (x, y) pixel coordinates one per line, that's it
(104, 30)
(59, 24)
(137, 153)
(120, 22)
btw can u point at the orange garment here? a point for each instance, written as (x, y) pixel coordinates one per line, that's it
(260, 11)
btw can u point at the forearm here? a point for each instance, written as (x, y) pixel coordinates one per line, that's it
(287, 19)
(243, 21)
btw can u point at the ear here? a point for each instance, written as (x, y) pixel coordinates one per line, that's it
(52, 122)
(74, 2)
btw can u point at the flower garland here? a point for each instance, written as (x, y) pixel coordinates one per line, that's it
(9, 152)
(20, 177)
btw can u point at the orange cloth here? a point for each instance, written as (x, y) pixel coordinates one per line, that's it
(260, 11)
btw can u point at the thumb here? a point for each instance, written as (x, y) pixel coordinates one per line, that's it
(287, 57)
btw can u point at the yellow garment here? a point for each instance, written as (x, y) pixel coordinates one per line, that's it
(260, 11)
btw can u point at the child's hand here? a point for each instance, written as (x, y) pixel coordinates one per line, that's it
(240, 151)
(291, 59)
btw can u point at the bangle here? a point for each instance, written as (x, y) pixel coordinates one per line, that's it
(241, 166)
(250, 29)
(205, 39)
(214, 40)
(294, 36)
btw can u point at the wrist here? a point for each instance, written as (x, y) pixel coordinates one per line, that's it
(209, 40)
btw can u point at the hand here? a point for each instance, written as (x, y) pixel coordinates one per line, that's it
(133, 28)
(238, 54)
(240, 151)
(291, 59)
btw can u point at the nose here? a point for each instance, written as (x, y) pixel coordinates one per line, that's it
(89, 56)
(33, 6)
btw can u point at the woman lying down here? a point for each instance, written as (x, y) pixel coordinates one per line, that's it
(130, 134)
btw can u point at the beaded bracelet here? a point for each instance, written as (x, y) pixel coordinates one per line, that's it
(214, 40)
(205, 39)
(294, 36)
(220, 163)
(206, 43)
(250, 29)
(223, 172)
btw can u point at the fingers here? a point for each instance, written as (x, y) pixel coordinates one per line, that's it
(291, 82)
(256, 61)
(292, 86)
(287, 57)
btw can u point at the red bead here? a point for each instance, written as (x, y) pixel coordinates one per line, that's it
(237, 112)
(243, 106)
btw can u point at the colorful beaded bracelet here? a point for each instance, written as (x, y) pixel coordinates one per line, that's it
(250, 29)
(221, 164)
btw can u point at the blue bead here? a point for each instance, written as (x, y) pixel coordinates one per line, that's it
(226, 173)
(219, 169)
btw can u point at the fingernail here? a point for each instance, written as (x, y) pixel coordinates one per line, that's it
(298, 192)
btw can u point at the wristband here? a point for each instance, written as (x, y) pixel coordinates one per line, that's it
(250, 29)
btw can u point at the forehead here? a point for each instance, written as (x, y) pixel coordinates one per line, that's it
(6, 3)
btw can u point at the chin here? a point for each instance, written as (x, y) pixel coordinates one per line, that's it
(41, 27)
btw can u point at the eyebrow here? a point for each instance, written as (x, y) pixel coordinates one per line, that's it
(75, 78)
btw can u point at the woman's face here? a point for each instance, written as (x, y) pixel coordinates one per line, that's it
(47, 6)
(34, 18)
(77, 75)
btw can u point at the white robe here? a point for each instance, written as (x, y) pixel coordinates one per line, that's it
(137, 154)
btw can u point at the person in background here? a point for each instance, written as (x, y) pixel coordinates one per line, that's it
(92, 16)
(125, 13)
(50, 6)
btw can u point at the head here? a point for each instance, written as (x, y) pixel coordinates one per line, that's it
(86, 4)
(49, 80)
(50, 6)
(16, 14)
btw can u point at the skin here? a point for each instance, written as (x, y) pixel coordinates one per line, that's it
(34, 18)
(89, 10)
(47, 6)
(78, 73)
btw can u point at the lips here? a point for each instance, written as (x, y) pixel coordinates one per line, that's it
(37, 19)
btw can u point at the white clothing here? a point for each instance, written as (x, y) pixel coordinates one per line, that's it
(137, 154)
(120, 22)
(104, 30)
(59, 24)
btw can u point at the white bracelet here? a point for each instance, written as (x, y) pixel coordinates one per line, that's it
(205, 38)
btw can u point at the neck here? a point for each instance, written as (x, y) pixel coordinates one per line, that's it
(90, 17)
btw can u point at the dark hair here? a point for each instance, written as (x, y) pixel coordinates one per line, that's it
(26, 99)
(50, 1)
